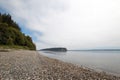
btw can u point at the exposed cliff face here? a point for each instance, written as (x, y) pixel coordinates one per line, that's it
(60, 49)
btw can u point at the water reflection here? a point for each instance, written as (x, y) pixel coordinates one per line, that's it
(54, 52)
(100, 60)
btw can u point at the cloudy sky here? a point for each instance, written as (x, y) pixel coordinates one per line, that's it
(75, 24)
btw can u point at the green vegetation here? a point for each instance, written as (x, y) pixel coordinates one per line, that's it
(2, 47)
(58, 49)
(11, 35)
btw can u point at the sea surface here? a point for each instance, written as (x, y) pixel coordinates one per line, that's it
(108, 61)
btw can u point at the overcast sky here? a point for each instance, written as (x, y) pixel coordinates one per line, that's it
(74, 24)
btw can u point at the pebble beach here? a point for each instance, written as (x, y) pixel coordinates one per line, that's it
(31, 65)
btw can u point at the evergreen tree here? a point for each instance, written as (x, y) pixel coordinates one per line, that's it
(10, 33)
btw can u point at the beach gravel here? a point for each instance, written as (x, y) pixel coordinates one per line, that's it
(31, 65)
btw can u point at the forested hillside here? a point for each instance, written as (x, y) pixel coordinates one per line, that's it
(11, 35)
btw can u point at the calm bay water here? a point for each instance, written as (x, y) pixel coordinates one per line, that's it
(108, 61)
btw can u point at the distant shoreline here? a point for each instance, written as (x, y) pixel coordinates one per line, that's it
(27, 65)
(96, 50)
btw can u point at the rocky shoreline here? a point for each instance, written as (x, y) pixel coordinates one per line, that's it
(30, 65)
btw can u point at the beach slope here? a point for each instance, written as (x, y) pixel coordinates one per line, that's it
(30, 65)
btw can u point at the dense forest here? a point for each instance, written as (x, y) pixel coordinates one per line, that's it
(11, 35)
(58, 49)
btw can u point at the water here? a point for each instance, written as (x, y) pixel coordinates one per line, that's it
(108, 61)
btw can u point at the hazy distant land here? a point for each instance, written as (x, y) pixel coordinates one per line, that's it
(57, 49)
(96, 50)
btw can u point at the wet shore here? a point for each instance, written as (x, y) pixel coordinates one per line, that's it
(30, 65)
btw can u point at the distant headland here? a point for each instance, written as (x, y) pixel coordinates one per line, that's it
(58, 49)
(96, 50)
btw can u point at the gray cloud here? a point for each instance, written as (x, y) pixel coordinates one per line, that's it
(76, 24)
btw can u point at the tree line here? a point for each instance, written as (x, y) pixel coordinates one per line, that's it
(10, 33)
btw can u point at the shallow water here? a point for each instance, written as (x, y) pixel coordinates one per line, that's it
(108, 61)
